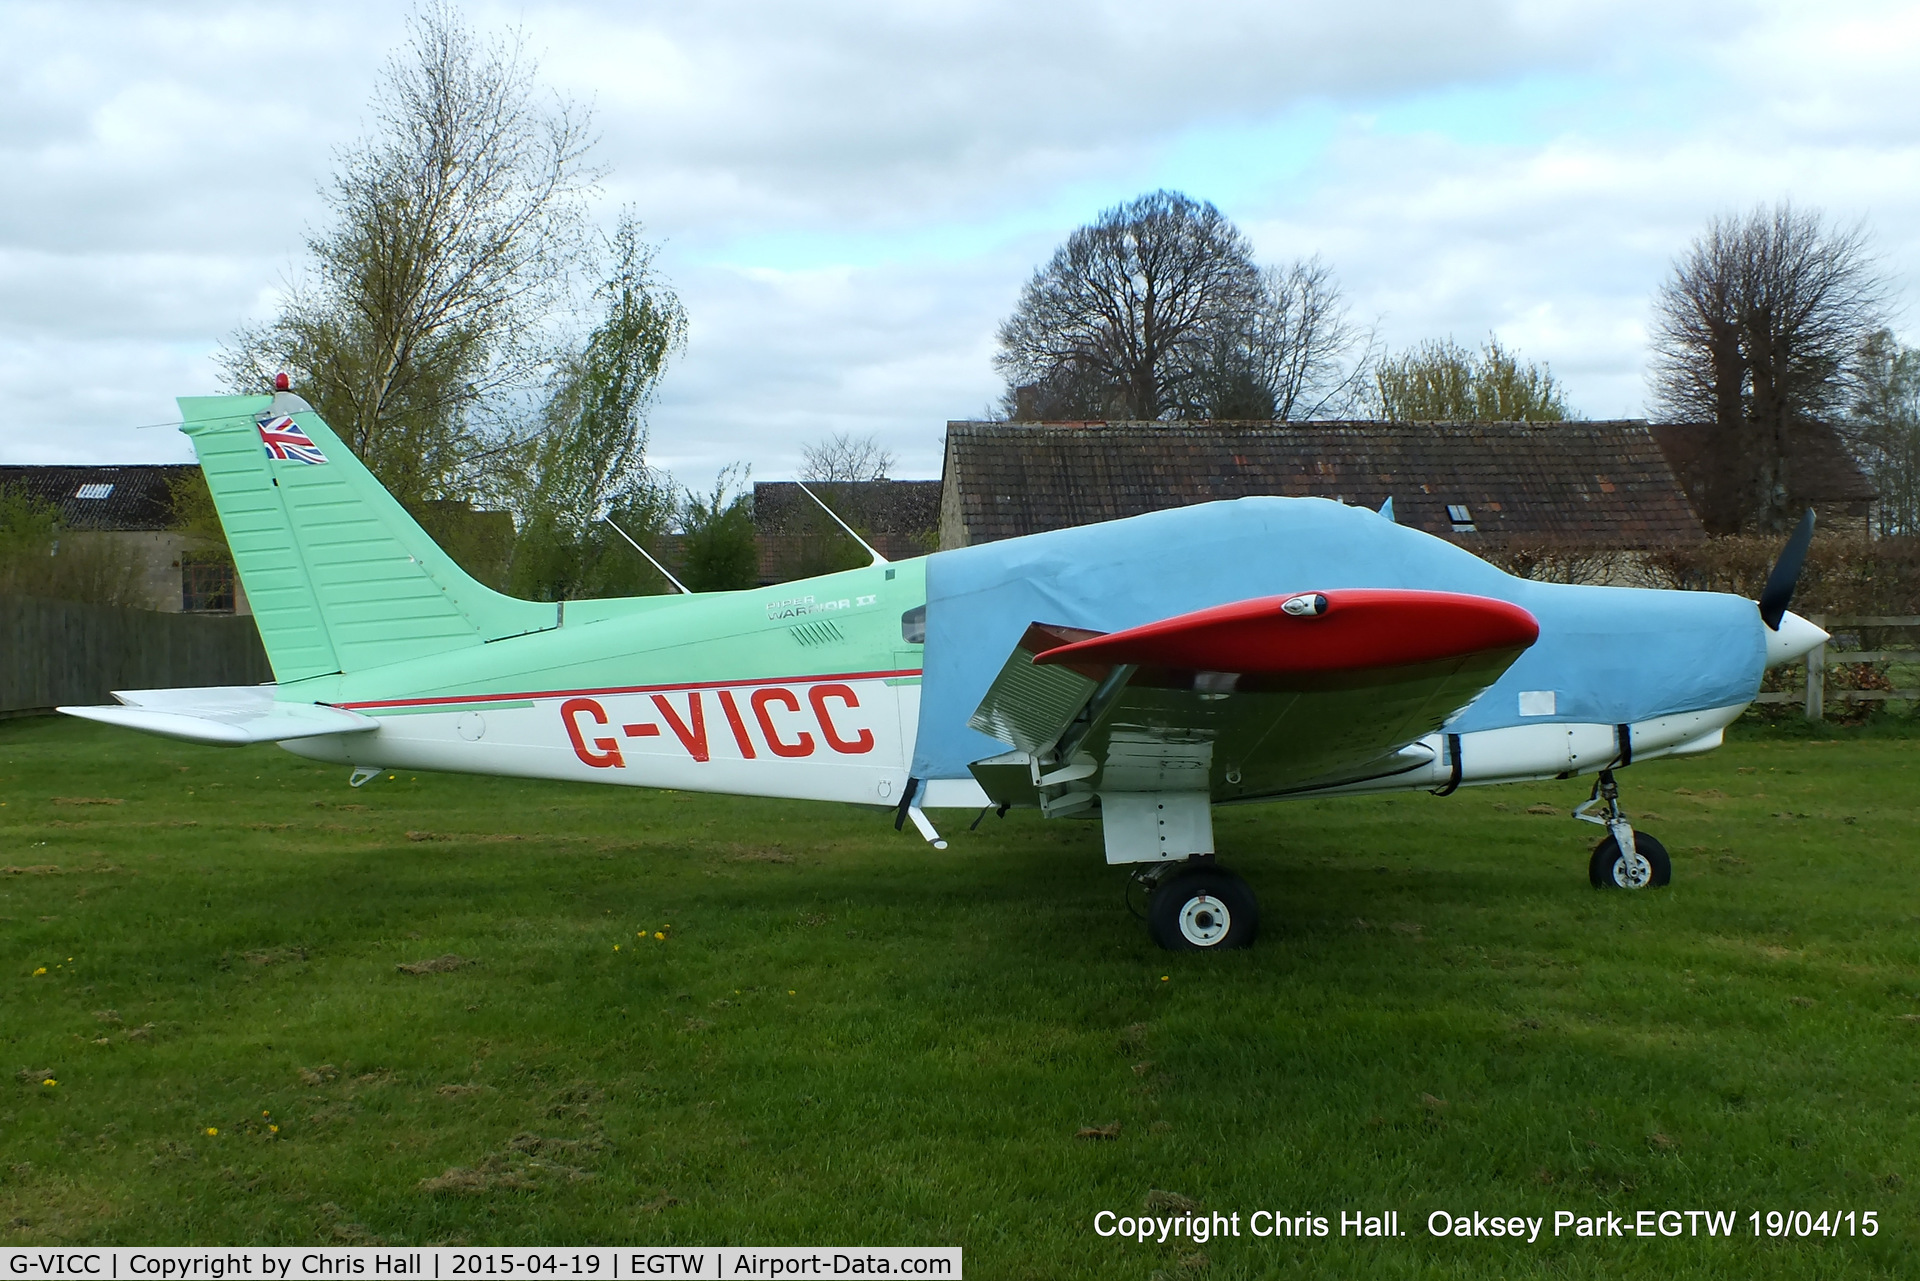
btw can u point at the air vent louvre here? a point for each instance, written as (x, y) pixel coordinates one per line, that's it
(820, 633)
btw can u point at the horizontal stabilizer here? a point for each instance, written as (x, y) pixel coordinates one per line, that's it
(224, 715)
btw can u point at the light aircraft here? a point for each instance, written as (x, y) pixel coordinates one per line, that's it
(1139, 672)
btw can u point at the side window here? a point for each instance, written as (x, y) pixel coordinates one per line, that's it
(913, 625)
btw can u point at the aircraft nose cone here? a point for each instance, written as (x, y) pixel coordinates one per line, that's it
(1796, 637)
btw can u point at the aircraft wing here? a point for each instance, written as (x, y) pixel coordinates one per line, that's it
(1258, 698)
(225, 715)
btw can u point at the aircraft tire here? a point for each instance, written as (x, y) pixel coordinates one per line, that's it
(1206, 909)
(1607, 867)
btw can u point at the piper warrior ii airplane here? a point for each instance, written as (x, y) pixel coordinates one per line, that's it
(1139, 672)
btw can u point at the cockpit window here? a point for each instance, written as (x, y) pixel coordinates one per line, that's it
(913, 625)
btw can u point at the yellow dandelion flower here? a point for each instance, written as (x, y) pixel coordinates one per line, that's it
(49, 1081)
(791, 992)
(616, 947)
(42, 970)
(1166, 978)
(658, 935)
(266, 1114)
(213, 1129)
(273, 1129)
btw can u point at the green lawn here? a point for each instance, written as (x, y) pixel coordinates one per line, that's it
(847, 1037)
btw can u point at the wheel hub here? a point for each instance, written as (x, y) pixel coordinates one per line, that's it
(1204, 920)
(1632, 873)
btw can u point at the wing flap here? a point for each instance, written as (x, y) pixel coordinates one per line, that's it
(1029, 705)
(223, 715)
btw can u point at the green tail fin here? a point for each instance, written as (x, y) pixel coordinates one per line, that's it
(339, 576)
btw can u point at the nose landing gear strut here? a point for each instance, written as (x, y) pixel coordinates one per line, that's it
(1627, 859)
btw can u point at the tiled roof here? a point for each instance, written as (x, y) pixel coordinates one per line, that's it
(132, 496)
(1591, 484)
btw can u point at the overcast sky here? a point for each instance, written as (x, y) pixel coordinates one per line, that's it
(850, 195)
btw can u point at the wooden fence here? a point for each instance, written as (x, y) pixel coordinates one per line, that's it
(55, 652)
(1817, 694)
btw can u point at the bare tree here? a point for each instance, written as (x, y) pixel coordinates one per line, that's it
(1884, 428)
(1125, 319)
(846, 457)
(1756, 332)
(1441, 381)
(456, 230)
(1304, 354)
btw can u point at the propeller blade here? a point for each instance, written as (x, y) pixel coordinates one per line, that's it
(1778, 593)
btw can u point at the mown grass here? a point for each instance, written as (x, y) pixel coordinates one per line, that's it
(847, 1037)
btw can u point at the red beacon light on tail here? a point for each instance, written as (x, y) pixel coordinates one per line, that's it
(281, 382)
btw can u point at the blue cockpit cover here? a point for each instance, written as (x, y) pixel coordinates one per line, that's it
(1610, 654)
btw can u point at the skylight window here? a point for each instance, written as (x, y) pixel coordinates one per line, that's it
(93, 491)
(1462, 517)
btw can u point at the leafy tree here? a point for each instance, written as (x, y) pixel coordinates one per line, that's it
(194, 513)
(589, 462)
(1757, 330)
(39, 556)
(455, 232)
(1884, 425)
(1124, 320)
(718, 551)
(1441, 381)
(29, 537)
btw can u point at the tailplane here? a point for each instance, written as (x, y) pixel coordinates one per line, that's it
(338, 575)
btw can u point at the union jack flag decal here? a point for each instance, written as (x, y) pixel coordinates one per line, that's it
(284, 440)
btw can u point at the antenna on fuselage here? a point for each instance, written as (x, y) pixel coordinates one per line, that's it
(878, 559)
(649, 555)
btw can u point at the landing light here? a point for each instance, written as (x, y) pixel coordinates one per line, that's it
(1311, 605)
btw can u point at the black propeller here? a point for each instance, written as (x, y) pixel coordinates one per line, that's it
(1778, 592)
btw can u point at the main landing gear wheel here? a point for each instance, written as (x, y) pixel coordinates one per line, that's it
(1203, 909)
(1610, 870)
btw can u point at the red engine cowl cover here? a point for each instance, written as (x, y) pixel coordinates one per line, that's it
(1359, 628)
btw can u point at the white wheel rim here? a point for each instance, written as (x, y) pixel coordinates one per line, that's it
(1204, 920)
(1632, 873)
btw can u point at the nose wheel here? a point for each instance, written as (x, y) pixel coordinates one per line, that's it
(1202, 908)
(1626, 860)
(1647, 868)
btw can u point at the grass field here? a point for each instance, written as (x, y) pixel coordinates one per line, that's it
(846, 1037)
